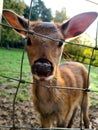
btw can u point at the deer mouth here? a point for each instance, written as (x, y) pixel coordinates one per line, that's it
(42, 68)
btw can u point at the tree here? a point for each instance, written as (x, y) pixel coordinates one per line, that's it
(60, 16)
(80, 53)
(38, 11)
(34, 13)
(46, 15)
(26, 11)
(15, 5)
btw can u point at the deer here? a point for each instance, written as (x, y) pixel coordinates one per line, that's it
(57, 107)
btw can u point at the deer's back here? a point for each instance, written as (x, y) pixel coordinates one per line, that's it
(74, 75)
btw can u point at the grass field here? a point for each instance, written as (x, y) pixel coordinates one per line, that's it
(10, 62)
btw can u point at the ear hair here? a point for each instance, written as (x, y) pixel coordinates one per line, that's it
(78, 24)
(24, 24)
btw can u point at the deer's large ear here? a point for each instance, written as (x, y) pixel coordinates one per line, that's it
(15, 21)
(78, 24)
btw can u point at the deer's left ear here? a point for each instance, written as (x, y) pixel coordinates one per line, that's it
(17, 22)
(78, 24)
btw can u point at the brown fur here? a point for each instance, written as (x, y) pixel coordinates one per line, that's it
(49, 101)
(57, 107)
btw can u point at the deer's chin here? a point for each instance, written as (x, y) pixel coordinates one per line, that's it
(43, 77)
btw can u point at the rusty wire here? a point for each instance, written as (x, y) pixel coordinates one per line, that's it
(21, 81)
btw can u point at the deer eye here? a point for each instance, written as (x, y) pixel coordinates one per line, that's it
(60, 43)
(28, 41)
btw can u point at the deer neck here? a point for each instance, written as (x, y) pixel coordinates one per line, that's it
(44, 89)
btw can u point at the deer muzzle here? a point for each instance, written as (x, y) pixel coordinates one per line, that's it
(42, 68)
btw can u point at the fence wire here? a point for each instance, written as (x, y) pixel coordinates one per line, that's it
(22, 81)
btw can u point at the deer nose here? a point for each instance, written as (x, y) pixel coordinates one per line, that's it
(42, 68)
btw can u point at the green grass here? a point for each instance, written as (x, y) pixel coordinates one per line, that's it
(94, 85)
(94, 78)
(10, 62)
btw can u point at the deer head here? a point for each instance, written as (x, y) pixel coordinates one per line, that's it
(44, 54)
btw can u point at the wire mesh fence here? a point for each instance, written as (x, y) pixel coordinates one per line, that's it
(20, 80)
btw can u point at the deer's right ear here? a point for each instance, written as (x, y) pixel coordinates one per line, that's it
(16, 21)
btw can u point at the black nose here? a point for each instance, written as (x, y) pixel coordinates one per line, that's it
(42, 67)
